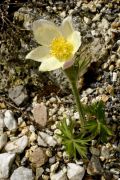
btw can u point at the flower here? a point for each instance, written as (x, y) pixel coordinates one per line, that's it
(58, 44)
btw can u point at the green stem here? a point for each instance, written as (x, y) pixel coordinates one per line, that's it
(72, 74)
(78, 103)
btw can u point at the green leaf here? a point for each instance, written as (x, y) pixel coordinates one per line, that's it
(74, 144)
(96, 110)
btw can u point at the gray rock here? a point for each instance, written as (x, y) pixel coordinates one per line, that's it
(94, 166)
(75, 172)
(48, 139)
(40, 114)
(18, 145)
(105, 153)
(1, 122)
(22, 173)
(60, 175)
(41, 142)
(3, 140)
(18, 95)
(9, 120)
(6, 160)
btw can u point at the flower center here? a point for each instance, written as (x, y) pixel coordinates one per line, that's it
(61, 48)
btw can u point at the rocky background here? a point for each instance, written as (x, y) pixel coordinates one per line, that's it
(32, 103)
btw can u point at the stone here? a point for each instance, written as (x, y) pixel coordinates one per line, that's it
(6, 160)
(104, 97)
(32, 137)
(52, 160)
(18, 145)
(94, 166)
(60, 175)
(48, 139)
(1, 122)
(40, 114)
(9, 120)
(38, 157)
(96, 17)
(75, 171)
(114, 77)
(3, 140)
(22, 173)
(105, 153)
(18, 95)
(54, 167)
(41, 142)
(39, 172)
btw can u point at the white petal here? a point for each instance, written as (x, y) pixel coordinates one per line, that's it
(45, 31)
(67, 27)
(38, 54)
(75, 39)
(50, 64)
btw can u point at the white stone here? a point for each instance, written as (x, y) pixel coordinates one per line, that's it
(3, 140)
(18, 145)
(87, 20)
(54, 167)
(6, 160)
(41, 142)
(22, 173)
(114, 77)
(96, 17)
(32, 128)
(76, 115)
(9, 120)
(48, 139)
(75, 172)
(61, 175)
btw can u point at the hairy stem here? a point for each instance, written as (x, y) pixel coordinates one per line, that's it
(78, 103)
(71, 73)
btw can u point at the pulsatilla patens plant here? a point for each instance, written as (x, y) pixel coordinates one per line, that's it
(74, 143)
(57, 48)
(96, 123)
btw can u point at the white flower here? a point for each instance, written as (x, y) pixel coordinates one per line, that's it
(58, 44)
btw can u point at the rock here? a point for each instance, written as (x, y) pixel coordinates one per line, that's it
(39, 172)
(105, 153)
(114, 77)
(52, 160)
(40, 114)
(41, 142)
(37, 157)
(48, 139)
(9, 120)
(32, 137)
(96, 17)
(94, 166)
(6, 160)
(54, 167)
(60, 175)
(1, 122)
(18, 95)
(22, 173)
(76, 115)
(18, 145)
(87, 20)
(75, 172)
(3, 140)
(104, 97)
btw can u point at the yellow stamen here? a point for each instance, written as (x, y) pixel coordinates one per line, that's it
(61, 49)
